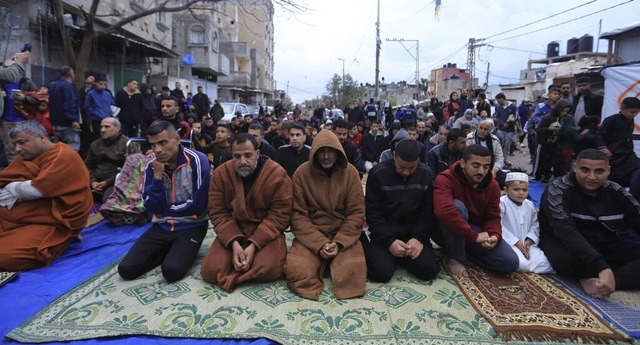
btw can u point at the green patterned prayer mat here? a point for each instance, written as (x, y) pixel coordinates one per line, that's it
(527, 306)
(5, 277)
(403, 311)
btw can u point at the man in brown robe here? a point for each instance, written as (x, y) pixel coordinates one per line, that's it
(327, 215)
(45, 199)
(249, 206)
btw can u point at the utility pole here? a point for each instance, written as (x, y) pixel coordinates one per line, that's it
(471, 61)
(378, 44)
(486, 80)
(342, 88)
(342, 71)
(416, 57)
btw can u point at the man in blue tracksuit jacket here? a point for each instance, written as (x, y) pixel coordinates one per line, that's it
(175, 192)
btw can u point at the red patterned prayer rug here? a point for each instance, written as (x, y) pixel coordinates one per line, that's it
(528, 307)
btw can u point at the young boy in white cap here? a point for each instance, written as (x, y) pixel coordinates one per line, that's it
(520, 228)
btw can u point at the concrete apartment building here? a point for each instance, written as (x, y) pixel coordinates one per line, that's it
(231, 44)
(248, 25)
(133, 52)
(447, 79)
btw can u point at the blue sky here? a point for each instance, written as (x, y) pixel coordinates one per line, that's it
(309, 46)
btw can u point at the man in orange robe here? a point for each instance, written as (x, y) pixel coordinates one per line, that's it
(45, 199)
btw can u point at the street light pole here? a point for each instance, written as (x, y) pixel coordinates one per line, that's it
(342, 89)
(378, 44)
(342, 71)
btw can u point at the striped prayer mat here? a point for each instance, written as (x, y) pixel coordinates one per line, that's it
(622, 308)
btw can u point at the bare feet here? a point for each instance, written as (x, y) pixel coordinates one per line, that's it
(457, 268)
(591, 287)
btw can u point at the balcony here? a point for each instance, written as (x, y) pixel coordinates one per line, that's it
(239, 50)
(236, 79)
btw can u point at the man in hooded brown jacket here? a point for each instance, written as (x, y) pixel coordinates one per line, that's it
(328, 209)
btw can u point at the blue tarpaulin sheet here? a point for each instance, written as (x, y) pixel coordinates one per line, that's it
(32, 290)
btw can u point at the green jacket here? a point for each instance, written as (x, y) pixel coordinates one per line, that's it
(10, 74)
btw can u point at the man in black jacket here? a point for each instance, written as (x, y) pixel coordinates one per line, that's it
(201, 103)
(373, 143)
(586, 103)
(400, 216)
(589, 227)
(615, 139)
(341, 130)
(443, 155)
(292, 155)
(256, 130)
(131, 103)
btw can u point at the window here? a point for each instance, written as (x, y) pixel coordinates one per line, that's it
(214, 41)
(138, 6)
(160, 16)
(197, 35)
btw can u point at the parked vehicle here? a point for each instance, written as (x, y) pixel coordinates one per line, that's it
(333, 114)
(230, 110)
(254, 110)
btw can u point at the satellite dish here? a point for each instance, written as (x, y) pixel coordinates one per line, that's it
(187, 60)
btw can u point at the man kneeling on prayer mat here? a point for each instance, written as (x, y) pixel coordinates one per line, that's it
(589, 227)
(466, 201)
(249, 206)
(45, 199)
(326, 220)
(175, 190)
(399, 205)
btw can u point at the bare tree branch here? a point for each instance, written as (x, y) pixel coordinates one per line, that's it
(79, 59)
(160, 8)
(68, 49)
(292, 6)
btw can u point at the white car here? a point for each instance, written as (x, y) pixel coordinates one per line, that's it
(230, 110)
(333, 114)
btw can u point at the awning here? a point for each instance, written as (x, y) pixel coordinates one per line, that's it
(147, 48)
(206, 71)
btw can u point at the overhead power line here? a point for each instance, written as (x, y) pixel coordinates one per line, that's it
(497, 76)
(297, 89)
(539, 20)
(565, 22)
(464, 46)
(518, 50)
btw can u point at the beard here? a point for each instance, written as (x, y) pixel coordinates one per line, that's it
(247, 170)
(327, 165)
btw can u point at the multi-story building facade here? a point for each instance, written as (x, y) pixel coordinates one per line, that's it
(134, 51)
(230, 44)
(249, 26)
(447, 79)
